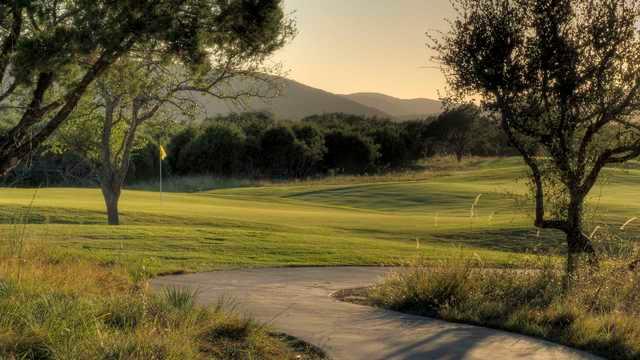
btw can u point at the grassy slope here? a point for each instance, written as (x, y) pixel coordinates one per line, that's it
(304, 224)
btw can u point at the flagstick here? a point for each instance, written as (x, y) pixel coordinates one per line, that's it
(160, 158)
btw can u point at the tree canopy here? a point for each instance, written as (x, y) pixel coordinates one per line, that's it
(51, 51)
(563, 75)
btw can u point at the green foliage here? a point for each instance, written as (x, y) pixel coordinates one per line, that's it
(291, 152)
(561, 77)
(416, 134)
(252, 28)
(393, 146)
(176, 146)
(316, 146)
(144, 163)
(463, 130)
(311, 149)
(277, 145)
(308, 148)
(349, 152)
(217, 149)
(180, 298)
(53, 52)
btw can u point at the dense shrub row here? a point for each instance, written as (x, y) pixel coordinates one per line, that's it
(257, 145)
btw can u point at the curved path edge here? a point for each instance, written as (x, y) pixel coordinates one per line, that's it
(298, 301)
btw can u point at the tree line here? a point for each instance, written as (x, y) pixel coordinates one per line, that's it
(257, 145)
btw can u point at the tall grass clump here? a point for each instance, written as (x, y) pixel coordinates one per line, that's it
(180, 298)
(62, 307)
(599, 313)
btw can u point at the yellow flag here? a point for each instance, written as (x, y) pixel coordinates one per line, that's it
(163, 154)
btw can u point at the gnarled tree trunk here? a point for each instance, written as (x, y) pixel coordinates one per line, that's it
(111, 172)
(111, 194)
(115, 164)
(579, 246)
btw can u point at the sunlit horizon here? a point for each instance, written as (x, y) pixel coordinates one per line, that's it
(366, 46)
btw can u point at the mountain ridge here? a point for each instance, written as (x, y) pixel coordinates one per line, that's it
(396, 107)
(298, 100)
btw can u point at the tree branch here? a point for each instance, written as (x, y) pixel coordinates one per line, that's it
(540, 220)
(12, 39)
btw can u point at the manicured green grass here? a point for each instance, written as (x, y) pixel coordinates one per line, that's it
(350, 222)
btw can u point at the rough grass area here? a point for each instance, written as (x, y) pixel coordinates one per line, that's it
(600, 313)
(61, 307)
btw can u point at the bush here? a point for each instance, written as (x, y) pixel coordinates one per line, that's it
(340, 121)
(175, 147)
(417, 139)
(349, 153)
(252, 123)
(221, 148)
(392, 146)
(278, 146)
(180, 298)
(144, 163)
(48, 168)
(310, 150)
(232, 145)
(217, 150)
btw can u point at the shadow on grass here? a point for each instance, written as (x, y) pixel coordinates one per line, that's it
(513, 240)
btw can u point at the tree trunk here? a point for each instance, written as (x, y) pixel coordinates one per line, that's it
(579, 246)
(111, 194)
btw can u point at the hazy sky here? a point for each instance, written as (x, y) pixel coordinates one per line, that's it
(346, 46)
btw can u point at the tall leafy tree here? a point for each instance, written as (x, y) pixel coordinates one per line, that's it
(147, 86)
(458, 129)
(52, 51)
(563, 76)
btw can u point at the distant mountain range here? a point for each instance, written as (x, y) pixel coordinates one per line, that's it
(297, 101)
(402, 109)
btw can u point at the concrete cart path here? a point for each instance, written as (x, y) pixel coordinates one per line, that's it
(297, 301)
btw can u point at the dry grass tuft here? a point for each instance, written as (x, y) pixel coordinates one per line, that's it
(599, 313)
(61, 307)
